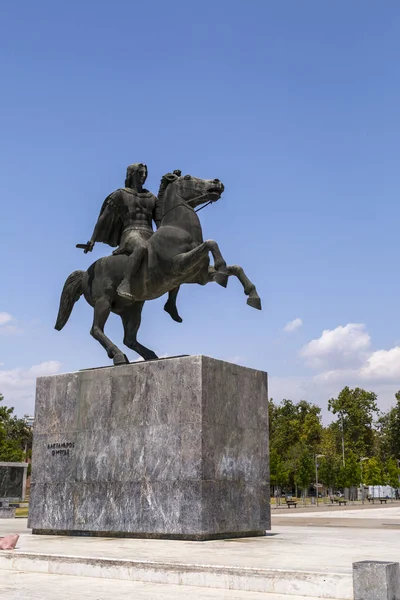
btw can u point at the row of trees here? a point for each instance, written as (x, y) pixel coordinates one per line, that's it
(15, 436)
(360, 445)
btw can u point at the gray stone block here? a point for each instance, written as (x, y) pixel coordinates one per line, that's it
(13, 480)
(168, 448)
(7, 512)
(376, 580)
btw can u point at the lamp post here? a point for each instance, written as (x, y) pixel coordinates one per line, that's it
(362, 485)
(29, 421)
(317, 456)
(342, 439)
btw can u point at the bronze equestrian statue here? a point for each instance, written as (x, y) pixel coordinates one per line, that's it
(174, 254)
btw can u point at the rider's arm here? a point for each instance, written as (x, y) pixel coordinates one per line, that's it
(157, 213)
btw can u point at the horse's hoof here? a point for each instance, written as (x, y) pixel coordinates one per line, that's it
(221, 278)
(120, 359)
(172, 311)
(254, 302)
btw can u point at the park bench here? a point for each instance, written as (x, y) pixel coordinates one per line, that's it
(291, 503)
(383, 500)
(341, 501)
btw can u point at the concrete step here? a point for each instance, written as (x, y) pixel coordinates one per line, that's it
(246, 579)
(16, 585)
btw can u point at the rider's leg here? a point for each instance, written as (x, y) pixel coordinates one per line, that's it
(170, 305)
(133, 264)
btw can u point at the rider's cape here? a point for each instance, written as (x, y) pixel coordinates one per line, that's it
(112, 227)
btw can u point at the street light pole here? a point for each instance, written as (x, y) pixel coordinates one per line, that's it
(362, 458)
(317, 456)
(342, 438)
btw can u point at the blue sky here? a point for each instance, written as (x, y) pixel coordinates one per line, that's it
(293, 105)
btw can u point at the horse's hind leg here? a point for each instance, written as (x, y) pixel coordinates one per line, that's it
(102, 309)
(131, 319)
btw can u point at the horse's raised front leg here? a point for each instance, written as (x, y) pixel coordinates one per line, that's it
(131, 319)
(253, 299)
(187, 262)
(102, 310)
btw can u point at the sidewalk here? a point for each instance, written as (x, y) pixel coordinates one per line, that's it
(361, 517)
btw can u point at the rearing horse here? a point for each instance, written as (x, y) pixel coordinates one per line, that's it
(176, 254)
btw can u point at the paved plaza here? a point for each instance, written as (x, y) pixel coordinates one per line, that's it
(309, 552)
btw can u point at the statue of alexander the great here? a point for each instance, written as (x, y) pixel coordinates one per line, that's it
(147, 265)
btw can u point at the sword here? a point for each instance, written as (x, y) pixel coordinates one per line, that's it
(84, 247)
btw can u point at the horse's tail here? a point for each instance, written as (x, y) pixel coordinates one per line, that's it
(71, 293)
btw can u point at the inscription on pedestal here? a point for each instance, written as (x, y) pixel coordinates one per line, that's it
(60, 449)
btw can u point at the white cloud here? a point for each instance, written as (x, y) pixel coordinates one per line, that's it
(382, 365)
(293, 325)
(18, 385)
(5, 318)
(342, 356)
(343, 347)
(5, 327)
(318, 390)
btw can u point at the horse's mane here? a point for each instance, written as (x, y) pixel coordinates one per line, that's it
(165, 181)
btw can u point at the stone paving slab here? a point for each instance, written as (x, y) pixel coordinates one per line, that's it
(38, 586)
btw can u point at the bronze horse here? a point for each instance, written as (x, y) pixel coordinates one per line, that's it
(176, 254)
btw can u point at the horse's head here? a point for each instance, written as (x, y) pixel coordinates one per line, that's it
(195, 191)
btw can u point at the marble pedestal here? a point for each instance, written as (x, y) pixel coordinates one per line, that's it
(175, 448)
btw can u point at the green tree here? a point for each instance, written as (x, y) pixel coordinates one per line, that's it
(293, 426)
(356, 410)
(328, 472)
(392, 473)
(374, 474)
(389, 432)
(330, 466)
(279, 474)
(349, 475)
(15, 436)
(305, 472)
